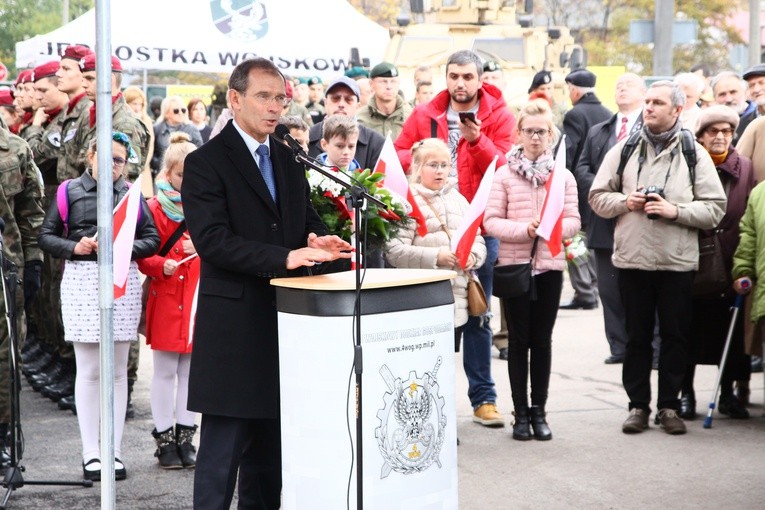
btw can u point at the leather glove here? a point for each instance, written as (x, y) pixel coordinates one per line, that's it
(32, 280)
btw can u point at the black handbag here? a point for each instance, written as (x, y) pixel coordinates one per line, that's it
(514, 280)
(712, 278)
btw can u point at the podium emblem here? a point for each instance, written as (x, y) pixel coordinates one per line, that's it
(412, 422)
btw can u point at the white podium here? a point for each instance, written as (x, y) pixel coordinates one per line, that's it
(409, 436)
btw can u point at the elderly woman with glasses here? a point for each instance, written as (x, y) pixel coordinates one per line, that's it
(174, 117)
(513, 216)
(443, 208)
(69, 232)
(711, 307)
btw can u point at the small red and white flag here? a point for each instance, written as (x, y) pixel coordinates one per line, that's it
(395, 180)
(462, 240)
(551, 219)
(193, 313)
(125, 220)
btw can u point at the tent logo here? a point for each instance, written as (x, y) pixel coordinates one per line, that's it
(243, 20)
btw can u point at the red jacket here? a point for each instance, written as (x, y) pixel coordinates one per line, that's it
(497, 135)
(170, 297)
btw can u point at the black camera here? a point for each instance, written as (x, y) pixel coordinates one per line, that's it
(653, 189)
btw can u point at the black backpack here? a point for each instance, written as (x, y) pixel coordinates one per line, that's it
(687, 142)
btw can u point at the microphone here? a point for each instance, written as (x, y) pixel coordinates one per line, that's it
(283, 136)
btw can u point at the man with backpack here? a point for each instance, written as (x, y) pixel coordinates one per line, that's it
(661, 198)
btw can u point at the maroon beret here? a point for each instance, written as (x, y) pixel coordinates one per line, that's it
(6, 97)
(89, 64)
(24, 76)
(45, 70)
(76, 52)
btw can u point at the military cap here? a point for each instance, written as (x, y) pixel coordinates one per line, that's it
(89, 64)
(344, 81)
(541, 78)
(76, 52)
(45, 70)
(755, 70)
(288, 88)
(24, 76)
(314, 80)
(490, 66)
(581, 78)
(383, 70)
(357, 72)
(6, 98)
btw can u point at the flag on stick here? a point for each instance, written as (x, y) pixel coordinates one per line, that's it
(551, 220)
(462, 240)
(125, 220)
(395, 180)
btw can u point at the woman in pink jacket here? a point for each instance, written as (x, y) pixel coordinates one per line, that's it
(512, 215)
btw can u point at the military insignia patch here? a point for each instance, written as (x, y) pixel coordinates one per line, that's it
(243, 20)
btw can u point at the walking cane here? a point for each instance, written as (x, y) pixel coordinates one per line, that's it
(737, 304)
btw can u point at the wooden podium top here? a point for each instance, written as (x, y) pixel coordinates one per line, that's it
(374, 279)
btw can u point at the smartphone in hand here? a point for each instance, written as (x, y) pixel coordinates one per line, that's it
(467, 117)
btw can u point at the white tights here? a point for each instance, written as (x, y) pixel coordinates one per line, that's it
(87, 394)
(168, 366)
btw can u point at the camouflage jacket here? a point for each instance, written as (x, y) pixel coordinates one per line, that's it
(122, 120)
(21, 190)
(392, 124)
(45, 142)
(66, 167)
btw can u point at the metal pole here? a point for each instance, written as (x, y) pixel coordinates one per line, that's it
(662, 38)
(755, 33)
(105, 248)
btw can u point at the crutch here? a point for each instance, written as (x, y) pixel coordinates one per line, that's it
(737, 304)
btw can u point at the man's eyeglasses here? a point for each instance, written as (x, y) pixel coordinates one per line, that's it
(535, 132)
(267, 99)
(119, 162)
(179, 110)
(438, 166)
(713, 131)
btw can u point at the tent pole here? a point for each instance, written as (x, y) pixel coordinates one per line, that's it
(105, 248)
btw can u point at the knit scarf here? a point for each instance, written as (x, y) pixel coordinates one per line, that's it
(535, 172)
(659, 141)
(170, 200)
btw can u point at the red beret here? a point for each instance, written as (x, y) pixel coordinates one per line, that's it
(45, 70)
(288, 88)
(24, 77)
(89, 64)
(76, 52)
(6, 97)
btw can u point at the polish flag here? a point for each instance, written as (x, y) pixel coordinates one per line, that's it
(462, 240)
(551, 220)
(395, 180)
(193, 313)
(125, 220)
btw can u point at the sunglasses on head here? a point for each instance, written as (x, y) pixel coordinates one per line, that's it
(179, 110)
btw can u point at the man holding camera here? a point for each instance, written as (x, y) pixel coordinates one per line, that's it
(660, 204)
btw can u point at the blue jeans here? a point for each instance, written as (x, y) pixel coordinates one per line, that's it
(476, 356)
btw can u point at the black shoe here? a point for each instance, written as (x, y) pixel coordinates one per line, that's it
(92, 470)
(66, 402)
(120, 473)
(731, 406)
(186, 450)
(614, 360)
(756, 364)
(578, 305)
(687, 406)
(503, 353)
(167, 449)
(58, 391)
(539, 424)
(521, 426)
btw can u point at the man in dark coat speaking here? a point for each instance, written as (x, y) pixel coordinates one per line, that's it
(247, 209)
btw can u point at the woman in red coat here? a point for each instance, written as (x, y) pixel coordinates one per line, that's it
(174, 273)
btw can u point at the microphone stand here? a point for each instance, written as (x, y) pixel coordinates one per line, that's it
(356, 197)
(13, 476)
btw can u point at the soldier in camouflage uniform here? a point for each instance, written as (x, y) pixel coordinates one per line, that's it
(23, 100)
(122, 120)
(315, 105)
(70, 82)
(44, 313)
(20, 192)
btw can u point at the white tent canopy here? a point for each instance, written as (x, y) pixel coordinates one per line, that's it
(302, 37)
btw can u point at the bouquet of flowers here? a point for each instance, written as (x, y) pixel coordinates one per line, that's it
(576, 249)
(328, 199)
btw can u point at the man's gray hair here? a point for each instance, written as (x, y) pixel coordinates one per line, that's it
(465, 57)
(693, 80)
(723, 75)
(582, 90)
(676, 94)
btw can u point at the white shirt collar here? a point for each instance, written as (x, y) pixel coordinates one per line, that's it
(252, 144)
